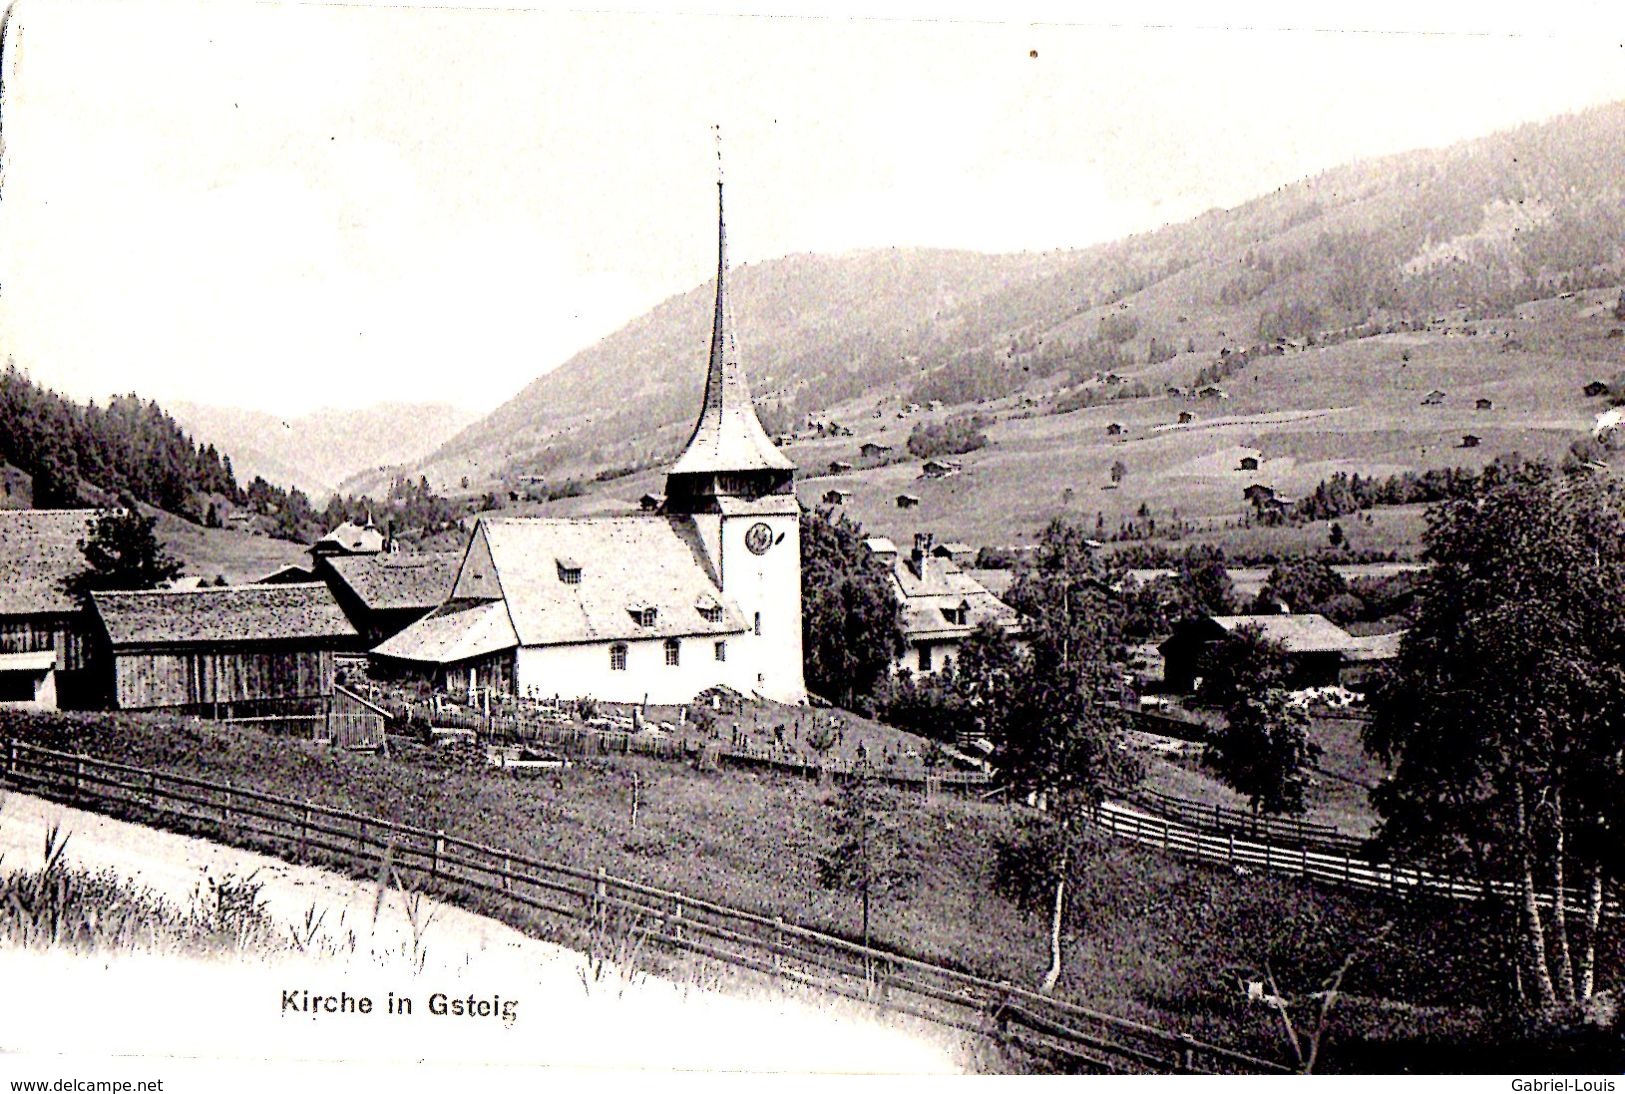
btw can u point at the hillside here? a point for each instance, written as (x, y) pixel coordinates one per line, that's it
(1454, 235)
(318, 451)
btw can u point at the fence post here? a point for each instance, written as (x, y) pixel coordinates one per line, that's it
(599, 890)
(677, 918)
(1303, 852)
(78, 772)
(1230, 838)
(1268, 865)
(225, 806)
(778, 944)
(438, 848)
(11, 757)
(304, 831)
(1165, 835)
(1348, 868)
(507, 873)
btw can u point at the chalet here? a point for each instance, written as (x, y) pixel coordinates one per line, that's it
(839, 467)
(870, 450)
(1469, 440)
(383, 594)
(1433, 398)
(939, 469)
(651, 503)
(199, 650)
(836, 497)
(942, 606)
(1485, 404)
(1186, 417)
(1258, 493)
(1316, 648)
(907, 501)
(960, 554)
(882, 548)
(350, 538)
(1212, 391)
(1248, 463)
(644, 607)
(1115, 429)
(39, 553)
(1595, 388)
(1175, 391)
(16, 488)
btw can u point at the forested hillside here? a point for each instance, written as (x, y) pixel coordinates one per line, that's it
(1372, 246)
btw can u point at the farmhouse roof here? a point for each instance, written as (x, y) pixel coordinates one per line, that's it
(39, 550)
(728, 436)
(351, 538)
(880, 545)
(385, 582)
(232, 613)
(454, 632)
(650, 561)
(940, 584)
(1374, 647)
(1308, 633)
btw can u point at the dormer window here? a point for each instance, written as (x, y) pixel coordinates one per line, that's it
(644, 614)
(569, 571)
(711, 613)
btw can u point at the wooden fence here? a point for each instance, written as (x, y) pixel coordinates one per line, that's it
(1343, 867)
(1286, 832)
(594, 901)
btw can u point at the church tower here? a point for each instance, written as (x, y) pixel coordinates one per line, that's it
(739, 490)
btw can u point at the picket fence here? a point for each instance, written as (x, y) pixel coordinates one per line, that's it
(1078, 1036)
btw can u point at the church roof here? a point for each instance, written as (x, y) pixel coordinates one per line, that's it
(727, 436)
(629, 562)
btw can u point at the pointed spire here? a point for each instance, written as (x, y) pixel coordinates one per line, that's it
(728, 436)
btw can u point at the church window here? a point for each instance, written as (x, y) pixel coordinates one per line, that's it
(722, 651)
(673, 646)
(925, 658)
(617, 657)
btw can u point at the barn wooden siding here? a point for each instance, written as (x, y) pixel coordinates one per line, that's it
(37, 633)
(170, 678)
(494, 672)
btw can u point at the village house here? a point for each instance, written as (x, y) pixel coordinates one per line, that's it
(39, 553)
(1186, 417)
(942, 606)
(960, 554)
(1433, 398)
(383, 594)
(1114, 429)
(16, 488)
(939, 469)
(204, 651)
(1212, 391)
(836, 497)
(1485, 404)
(1316, 648)
(839, 467)
(1595, 388)
(869, 450)
(350, 538)
(648, 607)
(1469, 440)
(1248, 463)
(884, 550)
(651, 502)
(1257, 493)
(907, 501)
(1365, 657)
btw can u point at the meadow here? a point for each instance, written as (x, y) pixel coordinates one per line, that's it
(1148, 936)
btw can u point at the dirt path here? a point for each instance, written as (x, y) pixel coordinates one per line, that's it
(562, 1016)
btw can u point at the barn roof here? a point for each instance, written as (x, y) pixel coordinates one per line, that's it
(454, 632)
(39, 550)
(1307, 633)
(1375, 647)
(231, 613)
(630, 561)
(384, 582)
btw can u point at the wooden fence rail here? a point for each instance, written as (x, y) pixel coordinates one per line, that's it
(598, 902)
(1281, 831)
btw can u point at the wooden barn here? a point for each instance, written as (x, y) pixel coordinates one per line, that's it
(39, 552)
(205, 650)
(1316, 648)
(384, 594)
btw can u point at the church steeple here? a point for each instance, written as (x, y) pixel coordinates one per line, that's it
(728, 439)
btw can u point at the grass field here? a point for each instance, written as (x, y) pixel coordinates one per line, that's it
(1337, 796)
(236, 556)
(1148, 937)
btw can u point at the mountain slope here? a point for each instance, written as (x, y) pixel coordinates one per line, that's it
(317, 451)
(1481, 225)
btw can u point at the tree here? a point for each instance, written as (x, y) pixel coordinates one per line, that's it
(1263, 751)
(1503, 717)
(1118, 471)
(1202, 576)
(1335, 534)
(865, 850)
(1241, 664)
(1058, 723)
(1302, 584)
(123, 553)
(851, 621)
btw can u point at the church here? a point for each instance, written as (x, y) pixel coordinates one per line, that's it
(701, 590)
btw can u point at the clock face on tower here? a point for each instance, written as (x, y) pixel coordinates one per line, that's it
(758, 538)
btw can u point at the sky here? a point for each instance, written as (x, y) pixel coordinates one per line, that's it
(287, 206)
